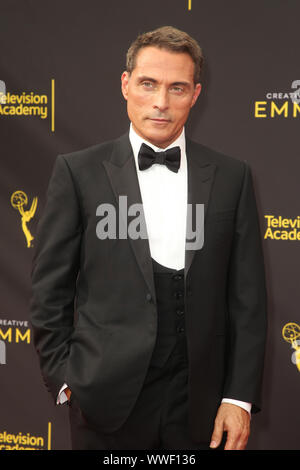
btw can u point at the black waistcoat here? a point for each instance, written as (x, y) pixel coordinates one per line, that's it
(169, 286)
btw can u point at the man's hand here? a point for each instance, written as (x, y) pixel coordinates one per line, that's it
(236, 421)
(68, 393)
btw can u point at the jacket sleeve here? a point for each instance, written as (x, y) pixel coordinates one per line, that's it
(54, 273)
(247, 303)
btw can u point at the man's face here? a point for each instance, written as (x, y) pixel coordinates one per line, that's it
(160, 93)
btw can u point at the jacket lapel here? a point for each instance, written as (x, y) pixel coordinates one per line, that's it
(121, 171)
(200, 178)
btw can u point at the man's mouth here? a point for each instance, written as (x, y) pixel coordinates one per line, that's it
(162, 120)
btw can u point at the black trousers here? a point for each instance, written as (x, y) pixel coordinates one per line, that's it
(159, 419)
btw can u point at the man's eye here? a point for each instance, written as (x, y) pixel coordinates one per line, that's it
(177, 89)
(147, 84)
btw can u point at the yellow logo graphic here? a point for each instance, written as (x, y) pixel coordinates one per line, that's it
(22, 441)
(282, 228)
(27, 103)
(283, 104)
(18, 200)
(291, 334)
(264, 109)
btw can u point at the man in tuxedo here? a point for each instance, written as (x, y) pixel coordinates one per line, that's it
(153, 343)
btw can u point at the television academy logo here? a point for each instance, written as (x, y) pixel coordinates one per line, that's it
(25, 440)
(282, 228)
(28, 104)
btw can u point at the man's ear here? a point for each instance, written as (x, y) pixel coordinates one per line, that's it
(124, 83)
(197, 92)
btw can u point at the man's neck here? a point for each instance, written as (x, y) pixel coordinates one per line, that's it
(177, 141)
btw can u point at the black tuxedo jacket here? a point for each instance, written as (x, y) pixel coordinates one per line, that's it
(104, 355)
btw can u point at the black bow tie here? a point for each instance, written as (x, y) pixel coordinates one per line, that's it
(147, 156)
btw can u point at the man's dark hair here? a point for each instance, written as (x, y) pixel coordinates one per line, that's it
(168, 38)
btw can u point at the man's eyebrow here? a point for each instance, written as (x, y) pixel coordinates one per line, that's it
(147, 79)
(153, 80)
(181, 83)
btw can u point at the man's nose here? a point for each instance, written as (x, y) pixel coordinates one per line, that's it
(161, 100)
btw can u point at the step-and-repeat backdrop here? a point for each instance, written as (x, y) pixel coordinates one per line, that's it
(60, 68)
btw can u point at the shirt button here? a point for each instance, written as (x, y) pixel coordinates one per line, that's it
(180, 329)
(177, 277)
(178, 294)
(148, 297)
(179, 311)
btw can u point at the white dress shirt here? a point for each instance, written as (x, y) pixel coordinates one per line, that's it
(164, 198)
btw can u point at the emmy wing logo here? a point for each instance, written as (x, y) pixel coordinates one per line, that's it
(18, 200)
(291, 334)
